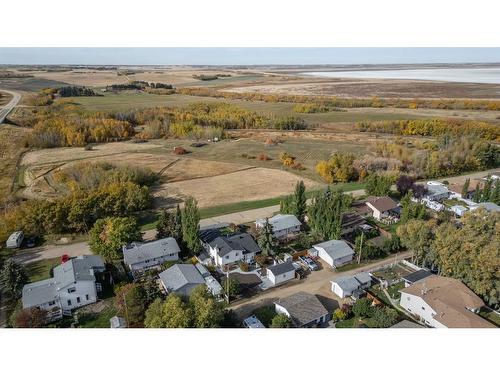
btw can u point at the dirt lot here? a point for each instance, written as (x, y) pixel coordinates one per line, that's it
(383, 88)
(247, 185)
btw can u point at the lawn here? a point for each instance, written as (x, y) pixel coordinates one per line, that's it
(394, 289)
(40, 270)
(97, 320)
(356, 322)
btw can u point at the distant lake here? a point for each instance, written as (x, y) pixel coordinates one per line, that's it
(480, 75)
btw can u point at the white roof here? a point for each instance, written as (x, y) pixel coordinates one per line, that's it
(336, 249)
(280, 222)
(253, 322)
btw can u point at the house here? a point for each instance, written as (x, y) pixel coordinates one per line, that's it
(335, 252)
(281, 273)
(436, 191)
(117, 322)
(15, 240)
(304, 309)
(253, 322)
(283, 226)
(231, 249)
(488, 206)
(345, 286)
(383, 208)
(413, 277)
(181, 279)
(351, 221)
(140, 256)
(443, 302)
(459, 210)
(456, 189)
(74, 284)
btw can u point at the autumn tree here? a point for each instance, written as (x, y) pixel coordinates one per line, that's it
(30, 318)
(109, 235)
(385, 317)
(130, 302)
(207, 311)
(281, 321)
(471, 253)
(417, 236)
(378, 185)
(171, 313)
(339, 168)
(191, 226)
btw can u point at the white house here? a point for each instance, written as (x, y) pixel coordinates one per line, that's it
(281, 273)
(345, 286)
(15, 240)
(382, 207)
(283, 226)
(74, 285)
(140, 256)
(443, 302)
(459, 210)
(226, 250)
(304, 310)
(335, 252)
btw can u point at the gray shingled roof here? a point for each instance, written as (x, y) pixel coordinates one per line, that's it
(336, 248)
(281, 268)
(180, 275)
(138, 252)
(363, 277)
(490, 206)
(280, 222)
(303, 307)
(76, 269)
(236, 242)
(347, 283)
(436, 189)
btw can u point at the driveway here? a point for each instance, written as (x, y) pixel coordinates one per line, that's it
(317, 283)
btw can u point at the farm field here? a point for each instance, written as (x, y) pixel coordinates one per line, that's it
(127, 101)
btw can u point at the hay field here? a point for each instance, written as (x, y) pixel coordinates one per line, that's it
(247, 185)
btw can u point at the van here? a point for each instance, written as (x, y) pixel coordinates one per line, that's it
(15, 240)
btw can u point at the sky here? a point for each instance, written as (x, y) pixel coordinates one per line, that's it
(246, 56)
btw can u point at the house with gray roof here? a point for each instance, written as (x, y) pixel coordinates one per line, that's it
(335, 252)
(488, 206)
(436, 191)
(284, 226)
(73, 285)
(230, 249)
(346, 286)
(304, 310)
(142, 256)
(281, 273)
(181, 279)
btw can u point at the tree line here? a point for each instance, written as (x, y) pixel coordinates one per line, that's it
(472, 104)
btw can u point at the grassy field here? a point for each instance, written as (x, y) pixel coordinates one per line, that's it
(11, 148)
(490, 316)
(128, 101)
(97, 320)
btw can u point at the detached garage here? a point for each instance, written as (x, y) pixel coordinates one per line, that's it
(281, 273)
(335, 252)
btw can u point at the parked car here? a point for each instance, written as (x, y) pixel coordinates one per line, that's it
(309, 263)
(31, 242)
(15, 240)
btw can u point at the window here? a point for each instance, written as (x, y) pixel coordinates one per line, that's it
(78, 300)
(71, 290)
(227, 256)
(69, 302)
(52, 303)
(87, 297)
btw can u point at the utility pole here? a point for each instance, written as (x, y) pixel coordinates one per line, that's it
(360, 247)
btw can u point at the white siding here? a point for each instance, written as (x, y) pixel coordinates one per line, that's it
(338, 290)
(417, 306)
(280, 279)
(154, 262)
(78, 298)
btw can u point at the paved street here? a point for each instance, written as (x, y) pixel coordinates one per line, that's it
(5, 110)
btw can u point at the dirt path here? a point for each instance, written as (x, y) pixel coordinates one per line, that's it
(317, 282)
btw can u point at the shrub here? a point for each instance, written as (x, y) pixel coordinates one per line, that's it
(244, 266)
(180, 151)
(362, 308)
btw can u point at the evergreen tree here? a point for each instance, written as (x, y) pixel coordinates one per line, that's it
(178, 225)
(300, 200)
(165, 226)
(266, 240)
(12, 278)
(191, 226)
(287, 205)
(326, 212)
(465, 188)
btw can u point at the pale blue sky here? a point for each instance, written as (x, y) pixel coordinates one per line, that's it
(246, 56)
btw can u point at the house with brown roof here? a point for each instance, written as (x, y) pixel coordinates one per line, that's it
(458, 188)
(443, 302)
(383, 207)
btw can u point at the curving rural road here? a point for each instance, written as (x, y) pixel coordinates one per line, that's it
(5, 110)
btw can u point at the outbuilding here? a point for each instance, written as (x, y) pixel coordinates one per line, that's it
(335, 252)
(281, 273)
